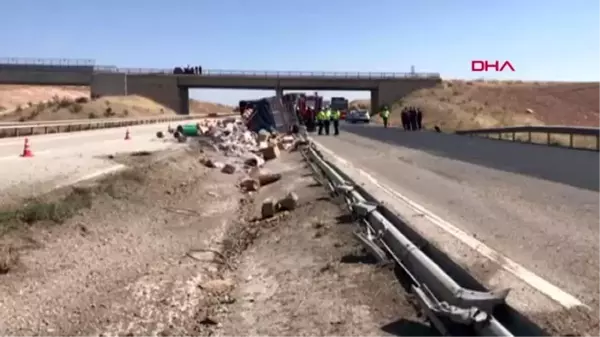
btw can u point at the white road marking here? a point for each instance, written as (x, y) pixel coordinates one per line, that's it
(555, 293)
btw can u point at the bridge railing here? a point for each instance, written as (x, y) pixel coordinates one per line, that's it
(272, 74)
(219, 72)
(587, 138)
(47, 61)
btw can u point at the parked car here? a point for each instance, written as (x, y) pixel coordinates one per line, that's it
(358, 116)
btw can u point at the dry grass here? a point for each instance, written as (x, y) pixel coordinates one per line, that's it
(14, 96)
(480, 104)
(56, 208)
(38, 103)
(205, 108)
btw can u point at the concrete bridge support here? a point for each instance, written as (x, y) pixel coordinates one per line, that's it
(164, 90)
(109, 84)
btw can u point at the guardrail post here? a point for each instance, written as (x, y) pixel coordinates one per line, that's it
(547, 138)
(597, 143)
(31, 131)
(571, 140)
(45, 130)
(513, 136)
(529, 137)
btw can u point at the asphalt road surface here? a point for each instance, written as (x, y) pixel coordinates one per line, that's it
(536, 205)
(65, 158)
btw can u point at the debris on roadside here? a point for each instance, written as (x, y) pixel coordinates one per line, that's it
(217, 286)
(250, 185)
(229, 169)
(288, 203)
(254, 160)
(268, 208)
(270, 152)
(268, 178)
(239, 150)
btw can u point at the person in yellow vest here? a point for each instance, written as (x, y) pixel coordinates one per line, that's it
(321, 120)
(326, 119)
(385, 114)
(335, 118)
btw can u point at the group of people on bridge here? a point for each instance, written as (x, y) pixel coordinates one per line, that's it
(196, 70)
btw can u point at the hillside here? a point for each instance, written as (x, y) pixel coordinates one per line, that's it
(479, 104)
(29, 103)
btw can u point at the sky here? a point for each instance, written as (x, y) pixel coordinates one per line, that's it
(549, 40)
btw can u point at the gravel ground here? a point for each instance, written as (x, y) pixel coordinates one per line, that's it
(304, 274)
(171, 248)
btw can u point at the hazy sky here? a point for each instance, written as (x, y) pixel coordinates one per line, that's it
(544, 40)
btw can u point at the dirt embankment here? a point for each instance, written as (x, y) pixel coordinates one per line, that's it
(479, 104)
(32, 103)
(173, 247)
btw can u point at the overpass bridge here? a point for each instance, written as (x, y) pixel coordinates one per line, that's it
(172, 90)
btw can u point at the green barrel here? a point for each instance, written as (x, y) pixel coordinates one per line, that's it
(188, 130)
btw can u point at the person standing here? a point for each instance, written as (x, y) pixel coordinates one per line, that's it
(321, 120)
(412, 117)
(404, 117)
(419, 119)
(327, 119)
(385, 115)
(335, 119)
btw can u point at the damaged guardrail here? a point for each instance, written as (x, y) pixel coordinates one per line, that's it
(446, 304)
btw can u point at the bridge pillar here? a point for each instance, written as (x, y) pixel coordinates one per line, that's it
(109, 84)
(279, 92)
(184, 101)
(374, 101)
(164, 90)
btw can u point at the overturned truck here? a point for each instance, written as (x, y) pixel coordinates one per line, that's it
(258, 115)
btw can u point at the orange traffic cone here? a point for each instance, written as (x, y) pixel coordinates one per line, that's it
(127, 135)
(26, 150)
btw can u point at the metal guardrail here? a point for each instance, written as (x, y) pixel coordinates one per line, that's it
(271, 74)
(570, 131)
(76, 121)
(68, 126)
(441, 298)
(47, 61)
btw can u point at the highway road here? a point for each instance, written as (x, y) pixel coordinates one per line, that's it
(61, 159)
(536, 206)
